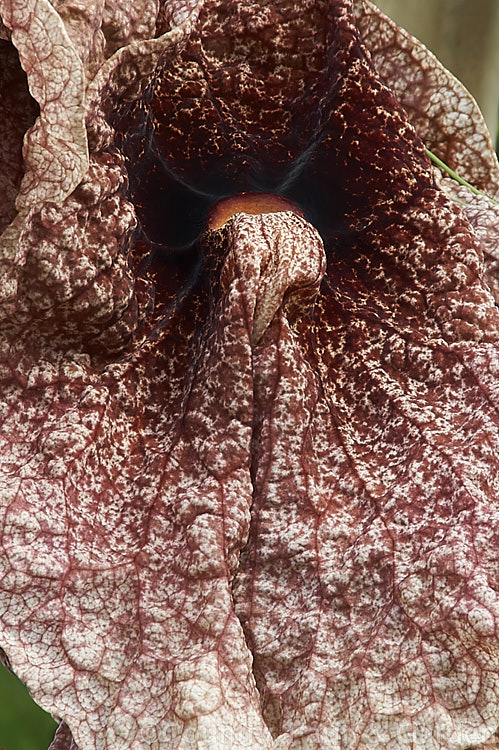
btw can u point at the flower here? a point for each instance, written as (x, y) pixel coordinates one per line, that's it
(249, 493)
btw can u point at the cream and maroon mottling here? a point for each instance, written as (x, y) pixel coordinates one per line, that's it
(249, 494)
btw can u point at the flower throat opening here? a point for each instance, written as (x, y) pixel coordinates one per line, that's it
(248, 203)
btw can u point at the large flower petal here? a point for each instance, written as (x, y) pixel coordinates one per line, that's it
(246, 501)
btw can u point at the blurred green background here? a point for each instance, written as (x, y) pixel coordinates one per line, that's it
(23, 724)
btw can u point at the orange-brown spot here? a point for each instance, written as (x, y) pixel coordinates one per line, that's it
(248, 203)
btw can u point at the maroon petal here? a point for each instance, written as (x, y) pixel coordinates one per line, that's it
(249, 493)
(55, 153)
(63, 739)
(18, 112)
(445, 116)
(439, 107)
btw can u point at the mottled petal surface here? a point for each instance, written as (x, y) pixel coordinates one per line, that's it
(249, 494)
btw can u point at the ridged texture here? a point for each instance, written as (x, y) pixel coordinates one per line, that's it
(249, 492)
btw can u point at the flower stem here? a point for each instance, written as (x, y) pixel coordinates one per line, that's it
(456, 177)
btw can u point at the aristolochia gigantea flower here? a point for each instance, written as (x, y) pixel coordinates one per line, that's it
(249, 361)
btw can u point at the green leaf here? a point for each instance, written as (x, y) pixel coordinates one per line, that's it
(23, 724)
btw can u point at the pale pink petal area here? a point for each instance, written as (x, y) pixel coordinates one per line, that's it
(249, 494)
(55, 151)
(83, 25)
(369, 595)
(441, 109)
(144, 644)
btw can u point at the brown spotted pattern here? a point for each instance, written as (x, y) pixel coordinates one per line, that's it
(248, 477)
(444, 114)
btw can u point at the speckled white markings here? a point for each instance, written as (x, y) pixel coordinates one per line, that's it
(255, 510)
